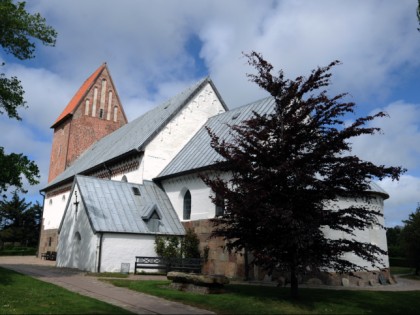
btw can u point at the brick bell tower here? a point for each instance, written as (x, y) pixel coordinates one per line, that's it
(94, 112)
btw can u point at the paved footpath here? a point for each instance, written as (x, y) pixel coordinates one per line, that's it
(76, 281)
(136, 302)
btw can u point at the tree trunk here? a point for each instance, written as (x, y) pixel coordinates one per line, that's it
(294, 282)
(246, 265)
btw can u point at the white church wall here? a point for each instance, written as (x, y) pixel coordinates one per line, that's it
(77, 246)
(201, 205)
(161, 150)
(123, 248)
(374, 235)
(54, 209)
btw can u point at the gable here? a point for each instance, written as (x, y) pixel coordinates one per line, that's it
(75, 101)
(198, 153)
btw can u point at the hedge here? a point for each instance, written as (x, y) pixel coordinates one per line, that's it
(18, 252)
(399, 262)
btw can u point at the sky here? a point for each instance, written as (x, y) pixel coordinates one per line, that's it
(155, 49)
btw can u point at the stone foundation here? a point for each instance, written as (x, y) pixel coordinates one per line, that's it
(219, 261)
(205, 284)
(360, 278)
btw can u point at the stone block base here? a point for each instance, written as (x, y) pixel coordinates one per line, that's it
(359, 279)
(205, 284)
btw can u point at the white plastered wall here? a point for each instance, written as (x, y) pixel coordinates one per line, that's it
(54, 209)
(201, 205)
(163, 148)
(123, 248)
(75, 252)
(374, 235)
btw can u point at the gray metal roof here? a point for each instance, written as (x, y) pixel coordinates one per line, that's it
(198, 153)
(112, 206)
(132, 136)
(378, 189)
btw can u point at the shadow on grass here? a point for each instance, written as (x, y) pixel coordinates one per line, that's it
(250, 299)
(5, 277)
(336, 301)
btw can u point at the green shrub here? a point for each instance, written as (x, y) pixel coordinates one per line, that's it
(175, 246)
(18, 252)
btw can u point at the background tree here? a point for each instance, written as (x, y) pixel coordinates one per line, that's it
(18, 30)
(410, 237)
(393, 237)
(418, 13)
(284, 167)
(19, 221)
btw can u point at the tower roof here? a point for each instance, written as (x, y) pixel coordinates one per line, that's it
(74, 102)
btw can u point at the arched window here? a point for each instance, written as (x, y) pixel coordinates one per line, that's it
(220, 206)
(103, 94)
(115, 113)
(108, 113)
(187, 205)
(95, 100)
(124, 179)
(77, 237)
(87, 107)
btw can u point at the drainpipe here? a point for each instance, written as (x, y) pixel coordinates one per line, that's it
(41, 221)
(100, 252)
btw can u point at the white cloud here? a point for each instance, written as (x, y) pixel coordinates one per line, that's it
(46, 94)
(397, 144)
(404, 198)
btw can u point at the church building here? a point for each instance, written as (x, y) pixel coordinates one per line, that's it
(113, 185)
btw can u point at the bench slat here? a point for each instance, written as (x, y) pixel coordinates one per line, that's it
(173, 264)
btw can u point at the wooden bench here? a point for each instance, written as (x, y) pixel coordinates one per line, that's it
(168, 264)
(49, 255)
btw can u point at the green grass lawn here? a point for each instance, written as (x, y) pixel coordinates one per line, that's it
(250, 299)
(20, 294)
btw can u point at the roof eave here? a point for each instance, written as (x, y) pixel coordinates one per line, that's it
(93, 169)
(58, 122)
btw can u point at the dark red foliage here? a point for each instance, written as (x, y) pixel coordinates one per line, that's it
(284, 166)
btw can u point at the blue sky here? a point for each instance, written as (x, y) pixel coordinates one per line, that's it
(154, 49)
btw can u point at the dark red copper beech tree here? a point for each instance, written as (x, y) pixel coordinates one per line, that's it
(284, 166)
